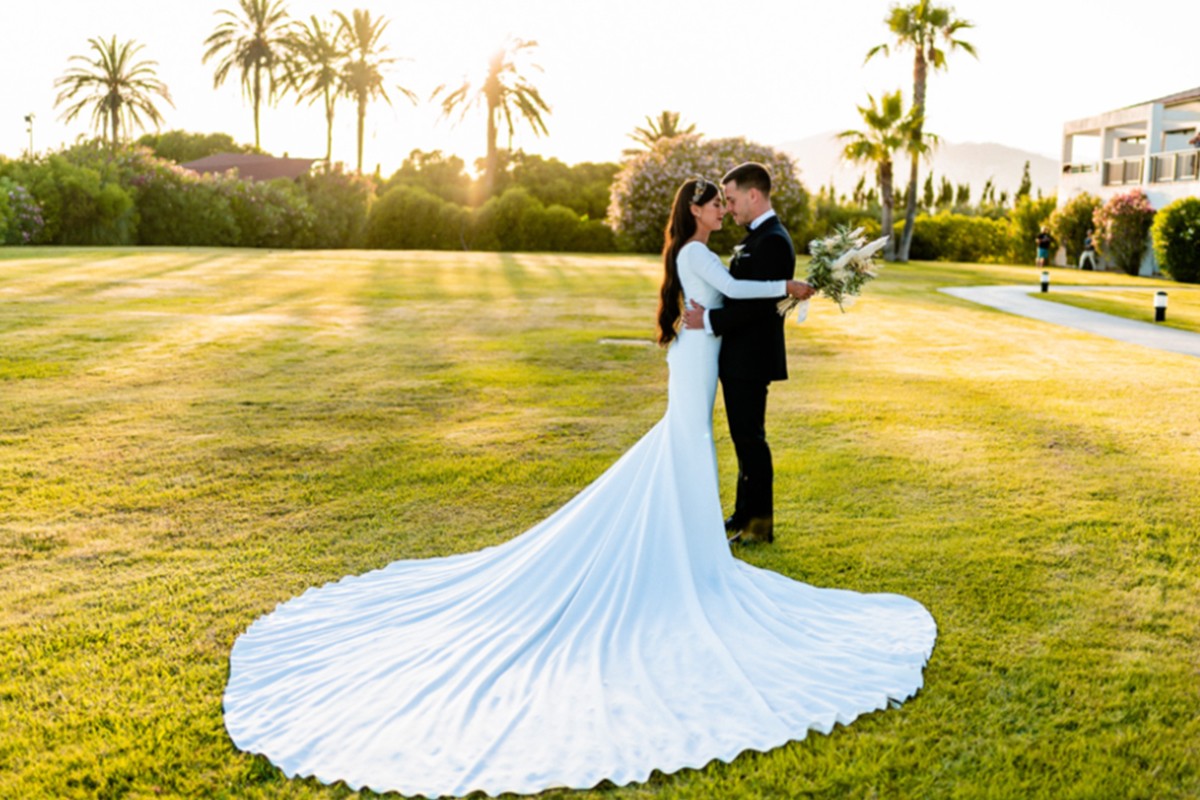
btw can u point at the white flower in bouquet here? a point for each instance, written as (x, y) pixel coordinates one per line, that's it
(841, 265)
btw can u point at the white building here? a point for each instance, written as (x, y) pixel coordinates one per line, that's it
(1147, 146)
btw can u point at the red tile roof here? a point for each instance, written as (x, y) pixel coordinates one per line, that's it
(252, 166)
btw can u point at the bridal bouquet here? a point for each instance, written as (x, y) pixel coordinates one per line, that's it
(841, 265)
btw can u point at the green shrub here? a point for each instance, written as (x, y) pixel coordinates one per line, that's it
(593, 236)
(516, 220)
(946, 236)
(412, 218)
(583, 188)
(340, 202)
(1122, 226)
(270, 213)
(1176, 236)
(8, 214)
(1070, 224)
(77, 205)
(509, 222)
(1025, 221)
(178, 207)
(554, 229)
(440, 175)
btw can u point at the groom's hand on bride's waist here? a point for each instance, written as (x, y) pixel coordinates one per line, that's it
(693, 316)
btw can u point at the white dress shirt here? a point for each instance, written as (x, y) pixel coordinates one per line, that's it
(759, 220)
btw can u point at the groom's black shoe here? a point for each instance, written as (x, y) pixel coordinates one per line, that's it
(759, 530)
(734, 525)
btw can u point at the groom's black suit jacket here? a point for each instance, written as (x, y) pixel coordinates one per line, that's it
(751, 331)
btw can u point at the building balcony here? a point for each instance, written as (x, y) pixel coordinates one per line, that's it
(1122, 171)
(1177, 165)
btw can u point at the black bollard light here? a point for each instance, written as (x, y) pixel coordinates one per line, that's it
(1045, 281)
(1160, 306)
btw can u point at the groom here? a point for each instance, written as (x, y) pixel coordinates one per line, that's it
(752, 346)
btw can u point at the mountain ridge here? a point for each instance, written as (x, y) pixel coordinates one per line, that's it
(973, 163)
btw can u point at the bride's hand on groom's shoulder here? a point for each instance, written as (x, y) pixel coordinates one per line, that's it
(693, 316)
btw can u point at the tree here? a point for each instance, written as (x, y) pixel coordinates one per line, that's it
(666, 126)
(859, 197)
(182, 146)
(962, 195)
(119, 88)
(1027, 218)
(1071, 224)
(921, 26)
(256, 43)
(505, 92)
(313, 68)
(436, 173)
(888, 130)
(363, 76)
(945, 197)
(1026, 183)
(928, 196)
(643, 188)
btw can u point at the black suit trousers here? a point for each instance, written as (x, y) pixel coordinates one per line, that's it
(746, 410)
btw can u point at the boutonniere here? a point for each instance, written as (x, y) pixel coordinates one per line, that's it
(739, 250)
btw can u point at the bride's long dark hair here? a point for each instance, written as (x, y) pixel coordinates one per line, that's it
(680, 228)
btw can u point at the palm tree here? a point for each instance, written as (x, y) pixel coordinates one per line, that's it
(314, 69)
(362, 76)
(119, 88)
(921, 26)
(256, 43)
(504, 91)
(666, 126)
(888, 130)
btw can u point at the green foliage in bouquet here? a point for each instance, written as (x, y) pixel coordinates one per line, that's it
(842, 263)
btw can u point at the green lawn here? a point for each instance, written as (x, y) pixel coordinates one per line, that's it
(1137, 302)
(190, 437)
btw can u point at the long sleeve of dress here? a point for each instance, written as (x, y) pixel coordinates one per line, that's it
(708, 267)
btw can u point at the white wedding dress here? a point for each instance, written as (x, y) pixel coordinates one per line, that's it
(617, 637)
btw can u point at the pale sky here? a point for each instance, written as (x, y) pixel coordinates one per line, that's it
(770, 70)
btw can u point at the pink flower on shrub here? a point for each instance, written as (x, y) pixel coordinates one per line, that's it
(1122, 226)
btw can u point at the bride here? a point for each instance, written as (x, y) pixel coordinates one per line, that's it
(616, 637)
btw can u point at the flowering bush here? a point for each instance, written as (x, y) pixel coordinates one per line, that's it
(20, 215)
(77, 204)
(1071, 223)
(178, 207)
(270, 213)
(643, 190)
(1122, 225)
(1176, 235)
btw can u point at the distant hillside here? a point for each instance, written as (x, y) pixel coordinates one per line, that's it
(818, 159)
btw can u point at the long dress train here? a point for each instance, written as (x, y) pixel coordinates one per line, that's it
(616, 637)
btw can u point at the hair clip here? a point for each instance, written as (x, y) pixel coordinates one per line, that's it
(698, 192)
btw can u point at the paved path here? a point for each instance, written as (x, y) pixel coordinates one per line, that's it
(1017, 300)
